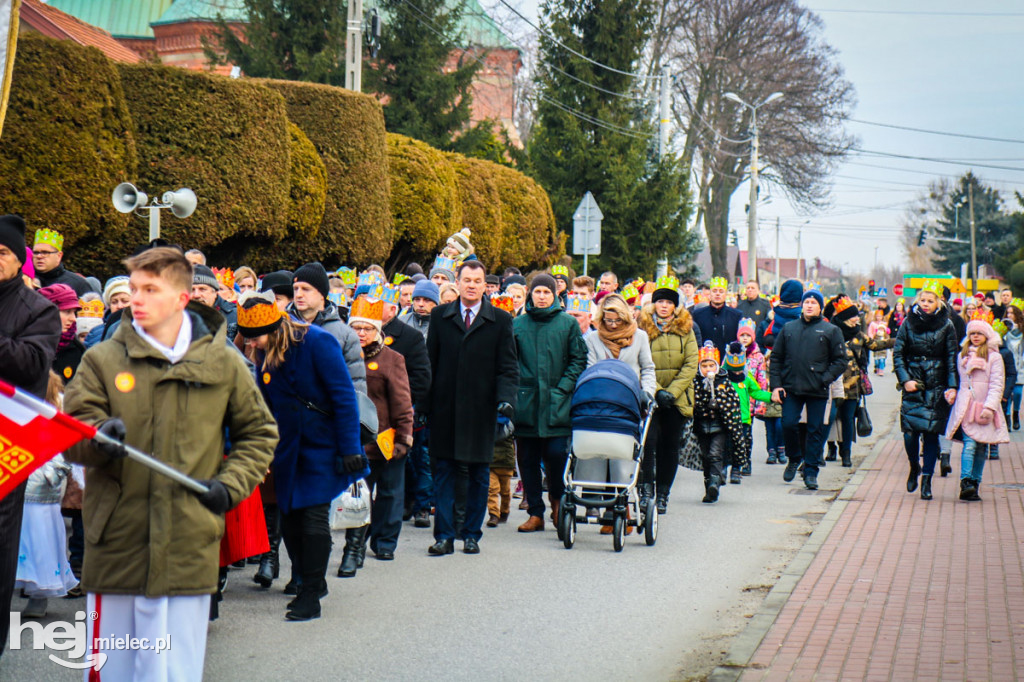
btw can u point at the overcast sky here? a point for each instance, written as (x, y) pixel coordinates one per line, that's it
(940, 65)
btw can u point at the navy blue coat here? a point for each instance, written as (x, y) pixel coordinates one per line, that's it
(718, 325)
(307, 461)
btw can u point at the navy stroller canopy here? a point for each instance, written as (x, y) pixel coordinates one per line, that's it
(608, 399)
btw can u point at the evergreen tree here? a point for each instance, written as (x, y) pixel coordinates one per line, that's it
(593, 133)
(423, 98)
(300, 40)
(995, 230)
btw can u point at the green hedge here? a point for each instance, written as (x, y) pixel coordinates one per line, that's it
(347, 129)
(481, 207)
(425, 201)
(530, 236)
(308, 179)
(226, 139)
(66, 144)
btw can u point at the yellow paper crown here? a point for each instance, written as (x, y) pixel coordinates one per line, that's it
(559, 270)
(367, 308)
(347, 276)
(503, 302)
(667, 282)
(841, 303)
(934, 286)
(983, 316)
(1018, 303)
(398, 278)
(708, 352)
(258, 311)
(51, 237)
(225, 277)
(91, 309)
(630, 292)
(718, 283)
(577, 304)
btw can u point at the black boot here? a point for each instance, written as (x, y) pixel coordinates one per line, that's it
(735, 475)
(355, 541)
(662, 501)
(218, 597)
(967, 489)
(831, 456)
(645, 494)
(926, 486)
(316, 552)
(844, 454)
(1016, 420)
(915, 471)
(270, 564)
(711, 489)
(945, 469)
(975, 490)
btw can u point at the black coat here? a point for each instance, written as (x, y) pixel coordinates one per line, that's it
(473, 371)
(807, 357)
(29, 333)
(925, 352)
(67, 359)
(410, 344)
(718, 325)
(59, 275)
(756, 310)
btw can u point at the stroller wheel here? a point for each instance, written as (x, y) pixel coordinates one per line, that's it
(567, 528)
(651, 524)
(619, 532)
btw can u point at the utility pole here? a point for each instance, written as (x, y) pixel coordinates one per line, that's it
(974, 250)
(799, 254)
(777, 228)
(664, 114)
(354, 47)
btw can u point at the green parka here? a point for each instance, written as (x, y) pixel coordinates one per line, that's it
(552, 356)
(145, 534)
(674, 350)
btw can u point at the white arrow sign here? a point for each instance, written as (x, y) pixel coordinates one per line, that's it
(586, 229)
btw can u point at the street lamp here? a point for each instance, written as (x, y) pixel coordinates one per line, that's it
(752, 213)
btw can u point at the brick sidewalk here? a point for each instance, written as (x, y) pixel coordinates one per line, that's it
(904, 589)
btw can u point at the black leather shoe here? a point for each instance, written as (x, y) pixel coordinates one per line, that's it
(470, 546)
(441, 547)
(384, 555)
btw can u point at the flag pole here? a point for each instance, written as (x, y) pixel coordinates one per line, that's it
(154, 464)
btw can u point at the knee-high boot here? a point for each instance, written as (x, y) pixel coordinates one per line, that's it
(270, 564)
(316, 552)
(354, 552)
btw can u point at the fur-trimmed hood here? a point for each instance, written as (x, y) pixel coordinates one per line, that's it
(681, 324)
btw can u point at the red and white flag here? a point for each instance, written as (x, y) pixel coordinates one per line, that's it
(31, 433)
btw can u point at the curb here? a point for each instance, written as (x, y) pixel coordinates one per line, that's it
(745, 644)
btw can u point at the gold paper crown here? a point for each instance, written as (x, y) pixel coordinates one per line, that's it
(630, 292)
(1018, 303)
(398, 279)
(347, 276)
(983, 316)
(367, 308)
(257, 312)
(719, 283)
(1000, 327)
(503, 302)
(667, 282)
(225, 276)
(51, 237)
(841, 303)
(934, 286)
(559, 270)
(577, 304)
(708, 352)
(91, 308)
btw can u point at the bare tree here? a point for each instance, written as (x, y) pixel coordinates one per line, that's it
(752, 48)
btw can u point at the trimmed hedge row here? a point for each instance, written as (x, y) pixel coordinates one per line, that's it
(68, 141)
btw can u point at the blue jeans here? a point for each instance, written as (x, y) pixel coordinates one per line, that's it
(972, 459)
(418, 476)
(1015, 399)
(773, 433)
(847, 415)
(817, 431)
(912, 444)
(531, 453)
(478, 484)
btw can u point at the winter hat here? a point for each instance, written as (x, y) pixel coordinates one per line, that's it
(428, 290)
(84, 325)
(315, 276)
(202, 275)
(26, 265)
(413, 269)
(791, 291)
(94, 284)
(666, 289)
(460, 240)
(816, 295)
(840, 309)
(62, 296)
(12, 235)
(279, 282)
(513, 279)
(981, 321)
(543, 280)
(258, 314)
(115, 285)
(367, 310)
(417, 278)
(958, 301)
(493, 279)
(735, 357)
(747, 327)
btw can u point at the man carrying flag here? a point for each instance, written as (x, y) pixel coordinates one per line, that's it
(29, 332)
(165, 383)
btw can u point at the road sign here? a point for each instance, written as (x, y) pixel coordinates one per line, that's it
(897, 289)
(586, 229)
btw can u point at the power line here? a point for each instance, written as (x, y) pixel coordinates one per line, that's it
(582, 56)
(935, 132)
(586, 118)
(920, 13)
(930, 159)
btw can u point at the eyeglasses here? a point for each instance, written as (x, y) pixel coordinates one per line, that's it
(45, 253)
(612, 322)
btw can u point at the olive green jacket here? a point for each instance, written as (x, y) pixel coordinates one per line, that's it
(144, 533)
(675, 356)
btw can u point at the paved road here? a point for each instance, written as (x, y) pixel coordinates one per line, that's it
(525, 607)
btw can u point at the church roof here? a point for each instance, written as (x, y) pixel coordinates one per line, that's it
(120, 18)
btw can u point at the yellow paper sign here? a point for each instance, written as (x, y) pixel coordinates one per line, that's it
(386, 443)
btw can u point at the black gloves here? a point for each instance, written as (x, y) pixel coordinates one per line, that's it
(664, 399)
(419, 420)
(216, 499)
(506, 410)
(352, 464)
(112, 428)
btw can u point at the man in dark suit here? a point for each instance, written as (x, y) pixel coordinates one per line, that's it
(475, 377)
(718, 322)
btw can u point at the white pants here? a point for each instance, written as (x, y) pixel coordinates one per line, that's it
(179, 623)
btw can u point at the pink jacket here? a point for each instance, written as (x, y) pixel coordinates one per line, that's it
(756, 369)
(981, 386)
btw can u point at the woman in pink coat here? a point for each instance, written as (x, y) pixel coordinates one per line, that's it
(977, 412)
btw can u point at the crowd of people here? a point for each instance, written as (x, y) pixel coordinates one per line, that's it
(437, 388)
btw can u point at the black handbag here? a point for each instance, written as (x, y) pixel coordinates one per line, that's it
(863, 420)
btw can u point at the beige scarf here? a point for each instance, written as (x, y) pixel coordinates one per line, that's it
(616, 340)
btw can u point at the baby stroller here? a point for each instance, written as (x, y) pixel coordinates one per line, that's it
(610, 420)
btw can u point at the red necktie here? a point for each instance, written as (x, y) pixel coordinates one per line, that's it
(469, 318)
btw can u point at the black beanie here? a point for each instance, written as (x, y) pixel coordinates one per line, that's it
(280, 282)
(12, 235)
(315, 276)
(665, 295)
(543, 280)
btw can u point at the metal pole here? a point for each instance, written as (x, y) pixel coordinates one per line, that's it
(354, 47)
(664, 118)
(154, 222)
(155, 464)
(799, 254)
(752, 213)
(777, 228)
(586, 240)
(974, 251)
